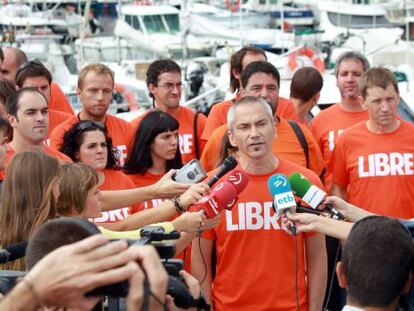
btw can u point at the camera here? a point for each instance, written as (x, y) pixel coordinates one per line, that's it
(191, 173)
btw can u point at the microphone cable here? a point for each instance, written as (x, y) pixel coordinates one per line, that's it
(296, 271)
(328, 298)
(204, 261)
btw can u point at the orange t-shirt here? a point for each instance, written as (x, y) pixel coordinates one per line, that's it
(255, 267)
(58, 100)
(48, 150)
(55, 118)
(218, 114)
(286, 145)
(185, 118)
(328, 125)
(115, 180)
(144, 180)
(119, 130)
(377, 168)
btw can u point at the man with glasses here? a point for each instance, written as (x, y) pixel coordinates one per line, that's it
(27, 110)
(164, 84)
(13, 59)
(95, 86)
(34, 74)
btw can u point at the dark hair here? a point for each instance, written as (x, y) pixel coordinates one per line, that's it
(6, 88)
(306, 82)
(1, 54)
(6, 128)
(139, 159)
(12, 102)
(259, 67)
(73, 139)
(236, 63)
(377, 260)
(351, 55)
(30, 69)
(158, 67)
(226, 149)
(56, 233)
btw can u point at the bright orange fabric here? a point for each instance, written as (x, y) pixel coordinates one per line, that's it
(55, 118)
(218, 114)
(286, 145)
(119, 130)
(255, 267)
(58, 100)
(115, 180)
(185, 118)
(328, 125)
(144, 180)
(48, 150)
(377, 168)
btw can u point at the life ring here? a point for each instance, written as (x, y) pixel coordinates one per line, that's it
(128, 96)
(233, 5)
(309, 53)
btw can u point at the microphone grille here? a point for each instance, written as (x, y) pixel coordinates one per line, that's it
(230, 162)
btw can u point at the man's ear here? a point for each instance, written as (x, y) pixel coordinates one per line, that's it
(361, 102)
(151, 88)
(231, 138)
(340, 273)
(316, 98)
(408, 283)
(13, 120)
(236, 74)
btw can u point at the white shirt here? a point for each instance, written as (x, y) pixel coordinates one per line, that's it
(351, 308)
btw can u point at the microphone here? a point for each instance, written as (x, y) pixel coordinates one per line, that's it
(13, 252)
(228, 164)
(283, 199)
(238, 179)
(220, 198)
(311, 194)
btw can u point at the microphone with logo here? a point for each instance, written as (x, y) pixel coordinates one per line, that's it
(220, 198)
(283, 199)
(239, 180)
(311, 194)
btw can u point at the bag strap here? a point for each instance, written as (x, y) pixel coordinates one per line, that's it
(301, 137)
(196, 146)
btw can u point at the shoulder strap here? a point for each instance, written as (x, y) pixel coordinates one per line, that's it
(196, 147)
(301, 137)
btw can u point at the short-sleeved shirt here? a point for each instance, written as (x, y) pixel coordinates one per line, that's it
(58, 100)
(377, 169)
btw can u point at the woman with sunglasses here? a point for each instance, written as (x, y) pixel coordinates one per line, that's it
(155, 151)
(88, 142)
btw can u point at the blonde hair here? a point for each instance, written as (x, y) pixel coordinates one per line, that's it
(99, 69)
(77, 180)
(27, 200)
(377, 77)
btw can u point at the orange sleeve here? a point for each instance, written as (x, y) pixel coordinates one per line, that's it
(211, 150)
(56, 137)
(316, 161)
(216, 118)
(337, 163)
(58, 100)
(56, 118)
(285, 109)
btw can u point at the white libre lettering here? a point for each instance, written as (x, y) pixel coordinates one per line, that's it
(186, 143)
(384, 164)
(121, 154)
(331, 138)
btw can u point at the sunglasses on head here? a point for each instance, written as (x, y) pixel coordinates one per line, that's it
(27, 64)
(84, 125)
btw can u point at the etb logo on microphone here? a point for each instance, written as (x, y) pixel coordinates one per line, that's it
(284, 200)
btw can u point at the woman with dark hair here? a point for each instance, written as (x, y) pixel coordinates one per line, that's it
(88, 142)
(155, 151)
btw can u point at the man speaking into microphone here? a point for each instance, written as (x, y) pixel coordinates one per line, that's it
(255, 267)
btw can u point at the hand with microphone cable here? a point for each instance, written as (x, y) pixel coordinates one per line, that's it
(283, 200)
(312, 195)
(350, 211)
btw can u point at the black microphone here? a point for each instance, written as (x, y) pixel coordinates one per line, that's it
(228, 164)
(13, 252)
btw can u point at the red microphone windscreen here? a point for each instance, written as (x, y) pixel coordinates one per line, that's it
(238, 179)
(225, 192)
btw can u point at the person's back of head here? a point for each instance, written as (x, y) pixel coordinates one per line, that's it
(376, 262)
(306, 83)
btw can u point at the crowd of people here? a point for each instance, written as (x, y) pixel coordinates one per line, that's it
(72, 182)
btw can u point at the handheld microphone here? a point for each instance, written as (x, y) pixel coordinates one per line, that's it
(13, 252)
(238, 179)
(311, 195)
(228, 164)
(283, 199)
(220, 198)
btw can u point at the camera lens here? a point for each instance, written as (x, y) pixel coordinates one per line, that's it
(191, 175)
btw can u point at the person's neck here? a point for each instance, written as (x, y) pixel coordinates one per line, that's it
(382, 129)
(171, 111)
(259, 166)
(158, 167)
(301, 108)
(20, 144)
(351, 104)
(83, 115)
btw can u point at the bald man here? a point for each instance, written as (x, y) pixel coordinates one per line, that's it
(13, 58)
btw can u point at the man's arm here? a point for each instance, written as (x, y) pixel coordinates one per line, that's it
(316, 263)
(201, 264)
(339, 191)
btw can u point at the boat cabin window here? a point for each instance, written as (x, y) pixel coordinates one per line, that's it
(358, 21)
(154, 24)
(133, 21)
(173, 22)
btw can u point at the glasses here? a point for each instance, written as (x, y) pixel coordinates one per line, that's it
(27, 64)
(170, 86)
(85, 125)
